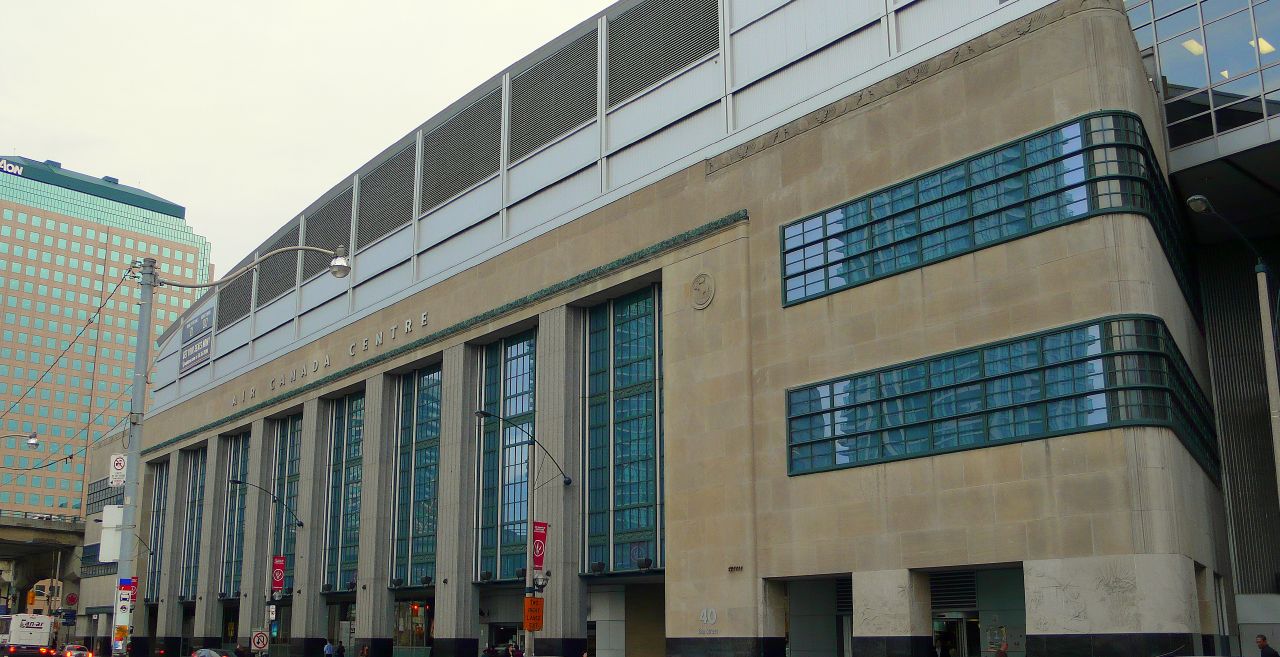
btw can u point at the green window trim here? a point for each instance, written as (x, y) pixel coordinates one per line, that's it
(1101, 163)
(159, 511)
(507, 389)
(623, 441)
(346, 474)
(284, 534)
(233, 532)
(1112, 372)
(417, 478)
(195, 462)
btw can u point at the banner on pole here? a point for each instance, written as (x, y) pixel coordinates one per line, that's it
(277, 572)
(539, 544)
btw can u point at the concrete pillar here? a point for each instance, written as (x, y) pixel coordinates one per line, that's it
(310, 621)
(891, 613)
(608, 610)
(256, 572)
(208, 619)
(457, 631)
(375, 612)
(168, 608)
(558, 426)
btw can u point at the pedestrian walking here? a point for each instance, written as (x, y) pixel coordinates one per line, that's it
(1264, 649)
(328, 648)
(490, 651)
(341, 651)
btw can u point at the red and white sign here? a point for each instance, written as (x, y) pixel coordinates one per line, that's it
(539, 544)
(277, 572)
(115, 475)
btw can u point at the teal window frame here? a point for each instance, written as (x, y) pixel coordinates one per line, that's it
(195, 467)
(1101, 163)
(623, 438)
(346, 474)
(159, 511)
(506, 389)
(233, 532)
(1117, 371)
(287, 474)
(417, 477)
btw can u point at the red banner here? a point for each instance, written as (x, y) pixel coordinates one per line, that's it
(277, 573)
(539, 543)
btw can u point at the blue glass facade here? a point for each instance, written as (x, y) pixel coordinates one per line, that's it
(346, 472)
(417, 478)
(507, 389)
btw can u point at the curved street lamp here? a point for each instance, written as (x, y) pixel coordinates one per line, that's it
(274, 498)
(339, 267)
(532, 583)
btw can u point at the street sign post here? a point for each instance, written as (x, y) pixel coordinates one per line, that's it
(117, 465)
(533, 608)
(258, 641)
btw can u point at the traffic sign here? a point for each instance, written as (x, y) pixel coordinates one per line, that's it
(124, 606)
(271, 612)
(533, 608)
(118, 464)
(258, 641)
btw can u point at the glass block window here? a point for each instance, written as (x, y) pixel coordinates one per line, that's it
(1099, 164)
(155, 538)
(506, 390)
(100, 494)
(623, 436)
(284, 533)
(417, 478)
(1217, 61)
(233, 532)
(1113, 372)
(194, 462)
(346, 451)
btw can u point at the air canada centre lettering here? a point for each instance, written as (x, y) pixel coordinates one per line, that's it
(11, 167)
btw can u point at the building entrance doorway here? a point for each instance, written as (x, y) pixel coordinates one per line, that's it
(957, 634)
(500, 634)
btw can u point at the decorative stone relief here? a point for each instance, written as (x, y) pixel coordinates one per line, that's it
(703, 289)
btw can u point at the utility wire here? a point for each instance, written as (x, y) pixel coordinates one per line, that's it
(93, 319)
(84, 431)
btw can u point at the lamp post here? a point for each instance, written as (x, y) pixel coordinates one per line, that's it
(339, 267)
(1267, 307)
(532, 584)
(136, 536)
(274, 498)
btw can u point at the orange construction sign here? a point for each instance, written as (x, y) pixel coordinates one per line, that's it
(533, 613)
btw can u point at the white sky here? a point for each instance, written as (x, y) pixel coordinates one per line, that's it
(245, 111)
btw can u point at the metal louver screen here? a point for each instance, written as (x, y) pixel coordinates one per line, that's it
(954, 590)
(233, 300)
(844, 595)
(279, 273)
(328, 228)
(553, 96)
(658, 38)
(463, 151)
(386, 197)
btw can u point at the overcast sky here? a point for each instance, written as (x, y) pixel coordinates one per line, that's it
(245, 111)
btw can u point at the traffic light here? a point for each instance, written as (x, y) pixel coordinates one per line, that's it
(413, 608)
(31, 597)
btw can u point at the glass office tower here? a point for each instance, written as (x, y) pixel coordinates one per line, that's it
(69, 321)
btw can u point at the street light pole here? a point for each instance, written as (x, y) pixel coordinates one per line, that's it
(339, 267)
(530, 588)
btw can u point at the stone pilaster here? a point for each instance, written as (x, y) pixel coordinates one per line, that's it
(891, 613)
(208, 618)
(310, 623)
(559, 429)
(374, 607)
(457, 600)
(256, 572)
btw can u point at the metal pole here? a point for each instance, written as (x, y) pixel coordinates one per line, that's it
(1269, 358)
(133, 451)
(528, 548)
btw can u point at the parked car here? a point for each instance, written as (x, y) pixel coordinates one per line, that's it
(211, 652)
